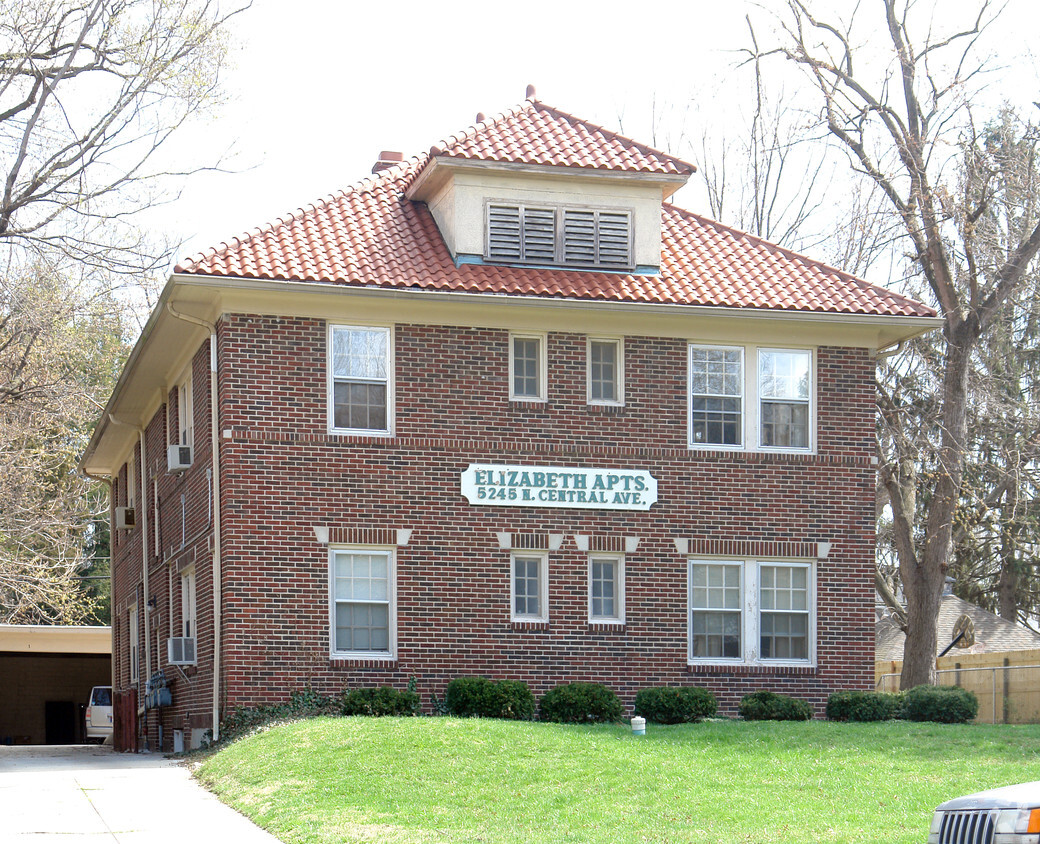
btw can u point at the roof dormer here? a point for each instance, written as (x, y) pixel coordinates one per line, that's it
(539, 187)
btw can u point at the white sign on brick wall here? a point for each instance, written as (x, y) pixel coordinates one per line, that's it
(558, 486)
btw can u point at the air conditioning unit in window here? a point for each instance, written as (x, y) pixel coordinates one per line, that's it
(126, 518)
(178, 457)
(180, 650)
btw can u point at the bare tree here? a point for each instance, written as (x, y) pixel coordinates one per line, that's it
(60, 348)
(770, 177)
(93, 93)
(899, 127)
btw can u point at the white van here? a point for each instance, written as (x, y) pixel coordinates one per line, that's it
(99, 713)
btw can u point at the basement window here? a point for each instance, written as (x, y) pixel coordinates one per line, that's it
(596, 238)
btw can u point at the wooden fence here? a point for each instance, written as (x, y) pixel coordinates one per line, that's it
(125, 712)
(1007, 683)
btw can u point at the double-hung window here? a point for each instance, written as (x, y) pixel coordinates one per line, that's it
(363, 607)
(188, 604)
(716, 617)
(784, 611)
(716, 396)
(131, 482)
(135, 666)
(751, 611)
(529, 586)
(750, 397)
(605, 371)
(606, 589)
(528, 370)
(783, 391)
(185, 410)
(361, 389)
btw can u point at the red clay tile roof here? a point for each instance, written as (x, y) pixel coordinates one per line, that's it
(535, 133)
(372, 236)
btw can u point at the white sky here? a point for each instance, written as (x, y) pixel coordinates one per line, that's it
(320, 87)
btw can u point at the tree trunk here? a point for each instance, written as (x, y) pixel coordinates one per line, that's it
(1007, 588)
(924, 577)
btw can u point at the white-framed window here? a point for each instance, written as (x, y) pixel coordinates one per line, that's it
(529, 586)
(528, 368)
(363, 602)
(559, 236)
(751, 397)
(717, 396)
(784, 394)
(751, 611)
(185, 410)
(716, 613)
(606, 589)
(134, 643)
(361, 379)
(188, 614)
(131, 482)
(605, 370)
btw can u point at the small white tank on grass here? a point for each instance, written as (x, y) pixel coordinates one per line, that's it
(638, 726)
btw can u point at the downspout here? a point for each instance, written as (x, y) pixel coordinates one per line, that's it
(143, 507)
(215, 454)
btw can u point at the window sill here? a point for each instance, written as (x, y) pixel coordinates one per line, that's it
(790, 669)
(529, 624)
(362, 660)
(359, 432)
(605, 409)
(704, 448)
(605, 627)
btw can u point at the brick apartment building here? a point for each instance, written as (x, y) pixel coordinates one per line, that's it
(499, 409)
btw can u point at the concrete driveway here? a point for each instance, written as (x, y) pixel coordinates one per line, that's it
(75, 794)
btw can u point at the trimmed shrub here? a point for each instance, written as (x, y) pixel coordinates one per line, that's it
(863, 706)
(770, 706)
(581, 703)
(470, 697)
(675, 705)
(945, 704)
(379, 702)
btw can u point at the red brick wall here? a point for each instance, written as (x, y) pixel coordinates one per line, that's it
(282, 474)
(185, 538)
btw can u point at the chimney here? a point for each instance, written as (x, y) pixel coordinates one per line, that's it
(387, 159)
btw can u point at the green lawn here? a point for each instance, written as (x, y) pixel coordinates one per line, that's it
(447, 779)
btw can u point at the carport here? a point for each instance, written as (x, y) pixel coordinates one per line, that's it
(46, 674)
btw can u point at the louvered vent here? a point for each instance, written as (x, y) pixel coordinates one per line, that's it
(504, 233)
(526, 235)
(589, 237)
(539, 233)
(579, 237)
(615, 242)
(597, 238)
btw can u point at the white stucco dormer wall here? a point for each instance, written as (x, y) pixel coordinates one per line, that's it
(459, 203)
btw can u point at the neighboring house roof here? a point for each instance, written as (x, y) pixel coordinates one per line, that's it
(992, 633)
(39, 638)
(371, 235)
